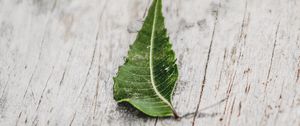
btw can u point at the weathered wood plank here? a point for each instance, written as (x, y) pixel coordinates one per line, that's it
(239, 61)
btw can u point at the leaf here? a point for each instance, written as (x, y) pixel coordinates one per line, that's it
(148, 78)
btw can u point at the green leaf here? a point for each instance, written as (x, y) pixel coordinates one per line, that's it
(148, 78)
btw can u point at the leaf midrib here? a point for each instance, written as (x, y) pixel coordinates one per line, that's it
(151, 57)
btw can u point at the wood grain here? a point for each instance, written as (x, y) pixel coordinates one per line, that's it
(239, 61)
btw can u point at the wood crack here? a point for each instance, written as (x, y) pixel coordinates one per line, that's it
(90, 66)
(42, 95)
(96, 93)
(206, 66)
(273, 53)
(36, 65)
(244, 24)
(73, 118)
(222, 69)
(94, 50)
(65, 69)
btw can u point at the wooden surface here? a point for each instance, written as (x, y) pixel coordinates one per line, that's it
(239, 61)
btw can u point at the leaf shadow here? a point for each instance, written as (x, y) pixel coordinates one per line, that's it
(128, 110)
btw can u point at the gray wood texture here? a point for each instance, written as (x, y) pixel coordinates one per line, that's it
(239, 61)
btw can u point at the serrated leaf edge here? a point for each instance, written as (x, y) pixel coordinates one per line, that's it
(151, 73)
(151, 58)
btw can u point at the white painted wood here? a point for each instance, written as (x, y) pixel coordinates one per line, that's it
(239, 61)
